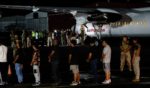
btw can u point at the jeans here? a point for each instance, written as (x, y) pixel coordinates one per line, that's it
(18, 68)
(55, 70)
(93, 69)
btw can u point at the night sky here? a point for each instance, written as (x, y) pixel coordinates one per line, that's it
(65, 2)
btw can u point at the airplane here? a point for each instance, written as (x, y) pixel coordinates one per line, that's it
(101, 22)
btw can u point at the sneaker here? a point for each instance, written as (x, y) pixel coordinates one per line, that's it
(136, 80)
(36, 84)
(55, 84)
(74, 83)
(79, 82)
(1, 84)
(107, 81)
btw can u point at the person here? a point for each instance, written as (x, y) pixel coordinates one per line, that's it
(1, 81)
(35, 63)
(68, 37)
(136, 60)
(106, 58)
(125, 54)
(12, 37)
(54, 59)
(93, 59)
(49, 39)
(28, 40)
(63, 37)
(18, 61)
(3, 63)
(23, 39)
(82, 34)
(74, 64)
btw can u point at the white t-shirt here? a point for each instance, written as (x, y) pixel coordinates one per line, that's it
(3, 53)
(107, 53)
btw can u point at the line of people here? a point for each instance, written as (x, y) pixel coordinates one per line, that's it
(54, 59)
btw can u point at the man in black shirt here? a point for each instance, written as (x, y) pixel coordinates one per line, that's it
(93, 59)
(54, 59)
(18, 61)
(74, 64)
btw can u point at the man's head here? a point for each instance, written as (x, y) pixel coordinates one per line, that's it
(104, 43)
(82, 27)
(125, 38)
(135, 40)
(92, 41)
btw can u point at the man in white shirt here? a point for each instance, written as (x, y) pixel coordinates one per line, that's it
(3, 63)
(106, 58)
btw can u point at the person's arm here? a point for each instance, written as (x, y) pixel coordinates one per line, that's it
(70, 56)
(33, 58)
(50, 56)
(103, 56)
(133, 57)
(128, 49)
(104, 53)
(16, 58)
(121, 48)
(89, 57)
(138, 51)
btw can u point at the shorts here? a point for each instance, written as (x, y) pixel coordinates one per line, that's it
(106, 67)
(74, 68)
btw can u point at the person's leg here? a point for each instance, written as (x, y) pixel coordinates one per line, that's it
(107, 71)
(36, 73)
(17, 70)
(94, 69)
(136, 68)
(128, 58)
(54, 70)
(77, 74)
(19, 73)
(48, 41)
(106, 67)
(122, 61)
(1, 80)
(73, 68)
(4, 72)
(76, 77)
